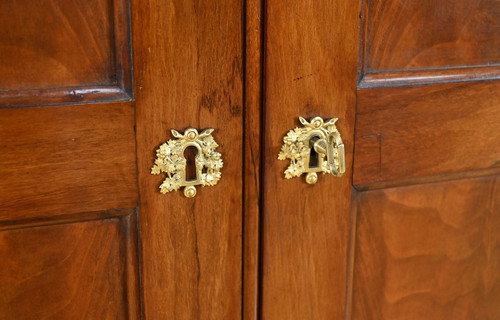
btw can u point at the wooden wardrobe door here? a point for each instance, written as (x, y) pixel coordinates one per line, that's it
(426, 162)
(68, 187)
(309, 70)
(423, 216)
(189, 73)
(73, 232)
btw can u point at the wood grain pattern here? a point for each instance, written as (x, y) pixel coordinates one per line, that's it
(427, 34)
(63, 95)
(429, 252)
(188, 58)
(91, 276)
(404, 133)
(432, 76)
(254, 23)
(52, 48)
(310, 70)
(67, 159)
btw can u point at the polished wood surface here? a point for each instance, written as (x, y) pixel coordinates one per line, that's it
(428, 160)
(51, 49)
(67, 249)
(412, 132)
(189, 72)
(428, 34)
(255, 246)
(429, 252)
(66, 159)
(79, 270)
(432, 76)
(310, 70)
(61, 96)
(254, 15)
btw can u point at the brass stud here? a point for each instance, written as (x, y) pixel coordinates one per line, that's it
(190, 191)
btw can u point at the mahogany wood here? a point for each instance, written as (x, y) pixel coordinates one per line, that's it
(189, 72)
(66, 159)
(310, 70)
(254, 22)
(428, 34)
(412, 132)
(429, 252)
(80, 270)
(418, 77)
(62, 95)
(52, 49)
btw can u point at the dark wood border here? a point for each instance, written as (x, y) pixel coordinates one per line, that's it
(120, 91)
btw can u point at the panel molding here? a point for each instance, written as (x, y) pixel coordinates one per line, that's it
(64, 218)
(71, 271)
(429, 251)
(119, 89)
(429, 76)
(55, 159)
(413, 134)
(59, 96)
(405, 43)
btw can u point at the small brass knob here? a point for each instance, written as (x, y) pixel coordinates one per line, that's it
(319, 145)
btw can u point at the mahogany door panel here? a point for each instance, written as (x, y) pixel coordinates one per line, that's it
(428, 34)
(66, 159)
(68, 177)
(189, 73)
(426, 243)
(76, 270)
(428, 251)
(62, 51)
(411, 132)
(310, 70)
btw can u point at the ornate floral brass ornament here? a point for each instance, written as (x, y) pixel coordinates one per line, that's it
(316, 147)
(170, 160)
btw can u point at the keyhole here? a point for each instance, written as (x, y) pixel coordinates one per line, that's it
(313, 155)
(190, 156)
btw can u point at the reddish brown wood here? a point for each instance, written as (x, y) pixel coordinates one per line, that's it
(429, 252)
(67, 159)
(252, 162)
(351, 253)
(189, 72)
(53, 49)
(406, 34)
(310, 70)
(404, 133)
(62, 95)
(418, 77)
(70, 271)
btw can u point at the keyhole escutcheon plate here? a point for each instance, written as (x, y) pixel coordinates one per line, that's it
(170, 160)
(315, 147)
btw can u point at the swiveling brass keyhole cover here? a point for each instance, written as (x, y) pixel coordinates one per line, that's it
(315, 147)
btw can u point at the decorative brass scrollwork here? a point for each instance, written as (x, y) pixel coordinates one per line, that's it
(170, 160)
(316, 147)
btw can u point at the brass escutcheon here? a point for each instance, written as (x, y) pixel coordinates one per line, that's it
(170, 160)
(315, 147)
